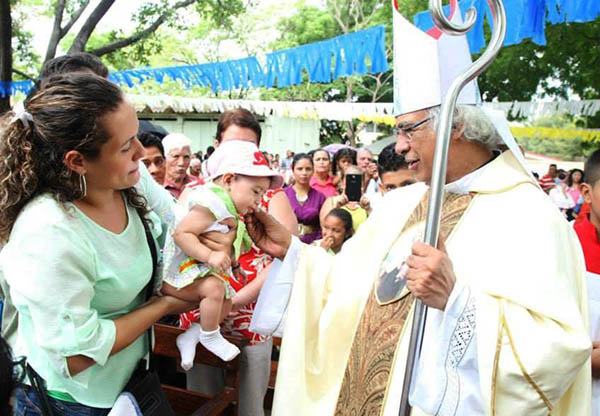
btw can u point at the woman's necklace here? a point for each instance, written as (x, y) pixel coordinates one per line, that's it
(301, 195)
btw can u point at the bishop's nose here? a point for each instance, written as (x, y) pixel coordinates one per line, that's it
(402, 145)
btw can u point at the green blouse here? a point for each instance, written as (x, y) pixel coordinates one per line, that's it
(69, 278)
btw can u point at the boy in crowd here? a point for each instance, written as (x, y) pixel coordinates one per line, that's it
(393, 173)
(393, 170)
(588, 231)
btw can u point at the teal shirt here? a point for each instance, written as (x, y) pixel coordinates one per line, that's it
(69, 278)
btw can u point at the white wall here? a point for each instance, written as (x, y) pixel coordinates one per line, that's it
(279, 134)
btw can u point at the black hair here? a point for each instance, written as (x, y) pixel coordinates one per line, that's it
(345, 217)
(343, 152)
(75, 62)
(299, 156)
(151, 140)
(570, 178)
(390, 161)
(238, 117)
(209, 151)
(10, 376)
(592, 168)
(69, 113)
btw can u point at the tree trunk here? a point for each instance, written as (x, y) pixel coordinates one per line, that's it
(351, 134)
(56, 30)
(5, 51)
(89, 26)
(122, 43)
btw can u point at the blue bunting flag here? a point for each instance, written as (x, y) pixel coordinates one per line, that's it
(525, 19)
(323, 61)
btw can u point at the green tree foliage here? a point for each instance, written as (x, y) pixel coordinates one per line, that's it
(25, 59)
(565, 67)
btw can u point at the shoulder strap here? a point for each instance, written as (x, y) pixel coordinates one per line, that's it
(38, 385)
(153, 253)
(150, 286)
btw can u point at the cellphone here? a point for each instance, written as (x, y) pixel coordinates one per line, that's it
(354, 186)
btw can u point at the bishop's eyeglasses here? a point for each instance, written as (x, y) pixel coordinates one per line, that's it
(407, 130)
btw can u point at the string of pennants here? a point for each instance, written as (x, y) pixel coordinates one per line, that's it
(525, 19)
(355, 53)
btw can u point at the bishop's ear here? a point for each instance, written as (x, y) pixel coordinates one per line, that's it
(75, 162)
(457, 133)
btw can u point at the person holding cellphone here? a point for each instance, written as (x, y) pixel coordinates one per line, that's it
(351, 200)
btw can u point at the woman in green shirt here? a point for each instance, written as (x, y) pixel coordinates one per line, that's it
(75, 256)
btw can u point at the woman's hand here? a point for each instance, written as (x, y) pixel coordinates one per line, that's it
(340, 200)
(268, 234)
(173, 305)
(240, 274)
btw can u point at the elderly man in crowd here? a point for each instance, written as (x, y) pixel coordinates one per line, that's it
(366, 163)
(178, 156)
(502, 337)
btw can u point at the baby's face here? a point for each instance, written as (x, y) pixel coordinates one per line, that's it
(247, 192)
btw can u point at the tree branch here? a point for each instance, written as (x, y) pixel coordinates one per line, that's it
(371, 15)
(23, 74)
(90, 24)
(111, 47)
(337, 16)
(74, 17)
(55, 36)
(383, 92)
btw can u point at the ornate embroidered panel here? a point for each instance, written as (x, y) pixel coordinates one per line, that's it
(379, 331)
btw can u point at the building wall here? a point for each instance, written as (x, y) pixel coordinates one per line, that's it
(279, 133)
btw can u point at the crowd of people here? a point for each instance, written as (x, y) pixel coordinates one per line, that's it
(564, 188)
(81, 187)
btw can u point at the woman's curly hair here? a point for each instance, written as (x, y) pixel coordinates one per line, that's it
(69, 113)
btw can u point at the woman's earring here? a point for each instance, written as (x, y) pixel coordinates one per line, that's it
(82, 185)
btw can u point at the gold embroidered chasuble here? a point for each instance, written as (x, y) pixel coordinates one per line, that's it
(366, 378)
(524, 268)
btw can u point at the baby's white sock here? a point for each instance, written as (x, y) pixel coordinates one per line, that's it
(186, 343)
(215, 343)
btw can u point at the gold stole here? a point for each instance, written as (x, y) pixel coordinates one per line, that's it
(378, 334)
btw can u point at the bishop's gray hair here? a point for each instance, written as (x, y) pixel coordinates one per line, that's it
(477, 126)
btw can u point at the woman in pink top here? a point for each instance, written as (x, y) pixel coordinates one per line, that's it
(574, 182)
(322, 180)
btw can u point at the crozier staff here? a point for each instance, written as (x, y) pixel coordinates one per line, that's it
(492, 343)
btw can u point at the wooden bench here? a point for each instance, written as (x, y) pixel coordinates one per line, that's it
(190, 403)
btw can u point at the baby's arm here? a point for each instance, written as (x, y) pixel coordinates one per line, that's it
(186, 237)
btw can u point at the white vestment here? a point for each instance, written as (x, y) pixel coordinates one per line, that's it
(594, 297)
(513, 339)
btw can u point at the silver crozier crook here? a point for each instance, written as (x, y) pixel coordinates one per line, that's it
(440, 160)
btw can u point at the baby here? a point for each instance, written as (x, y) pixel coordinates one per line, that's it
(240, 175)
